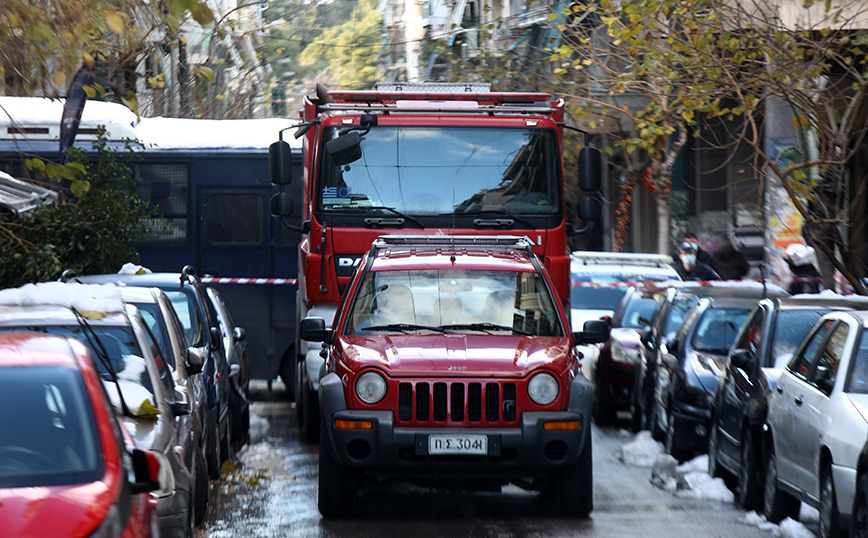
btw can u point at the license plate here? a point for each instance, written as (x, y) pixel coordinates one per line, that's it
(457, 444)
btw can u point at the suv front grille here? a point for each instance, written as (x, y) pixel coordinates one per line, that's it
(457, 402)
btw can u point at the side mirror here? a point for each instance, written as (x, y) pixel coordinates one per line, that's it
(590, 209)
(195, 360)
(740, 358)
(314, 329)
(346, 148)
(281, 204)
(671, 344)
(181, 403)
(593, 332)
(590, 169)
(280, 163)
(216, 338)
(825, 385)
(146, 470)
(239, 334)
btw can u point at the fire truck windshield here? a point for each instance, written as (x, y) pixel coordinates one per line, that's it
(434, 170)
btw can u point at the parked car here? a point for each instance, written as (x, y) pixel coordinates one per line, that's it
(66, 470)
(186, 365)
(235, 344)
(599, 281)
(690, 367)
(816, 425)
(135, 374)
(454, 368)
(763, 346)
(616, 366)
(189, 298)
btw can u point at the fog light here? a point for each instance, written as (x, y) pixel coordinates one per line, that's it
(700, 430)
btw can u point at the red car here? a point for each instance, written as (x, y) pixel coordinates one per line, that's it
(65, 466)
(452, 365)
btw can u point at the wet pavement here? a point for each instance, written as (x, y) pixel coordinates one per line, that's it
(272, 491)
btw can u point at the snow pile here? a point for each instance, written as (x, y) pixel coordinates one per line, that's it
(258, 428)
(641, 451)
(262, 455)
(82, 297)
(690, 479)
(787, 529)
(133, 269)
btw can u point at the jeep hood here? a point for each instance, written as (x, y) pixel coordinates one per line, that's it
(457, 355)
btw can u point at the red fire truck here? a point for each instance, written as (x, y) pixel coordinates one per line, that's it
(428, 158)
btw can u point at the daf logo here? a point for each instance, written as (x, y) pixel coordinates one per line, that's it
(456, 368)
(348, 261)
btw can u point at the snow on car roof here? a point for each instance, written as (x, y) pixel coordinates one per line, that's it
(82, 297)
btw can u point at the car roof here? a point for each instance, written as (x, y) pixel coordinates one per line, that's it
(473, 258)
(25, 348)
(830, 299)
(623, 265)
(143, 280)
(18, 315)
(724, 288)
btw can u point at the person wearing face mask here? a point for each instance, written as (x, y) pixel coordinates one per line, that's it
(701, 255)
(689, 267)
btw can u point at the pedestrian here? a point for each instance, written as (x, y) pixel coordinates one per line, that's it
(689, 267)
(806, 278)
(729, 262)
(701, 255)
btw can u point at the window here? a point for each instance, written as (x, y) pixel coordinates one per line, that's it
(234, 219)
(164, 187)
(790, 330)
(801, 362)
(184, 304)
(830, 357)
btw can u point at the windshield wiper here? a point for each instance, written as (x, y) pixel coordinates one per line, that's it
(403, 327)
(485, 327)
(494, 212)
(101, 354)
(392, 210)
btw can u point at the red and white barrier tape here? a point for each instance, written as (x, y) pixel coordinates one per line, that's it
(227, 280)
(666, 283)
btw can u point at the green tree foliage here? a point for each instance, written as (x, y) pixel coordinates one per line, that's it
(93, 233)
(349, 49)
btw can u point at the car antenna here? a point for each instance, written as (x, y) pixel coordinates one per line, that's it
(452, 257)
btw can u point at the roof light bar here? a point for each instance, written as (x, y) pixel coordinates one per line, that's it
(589, 258)
(448, 240)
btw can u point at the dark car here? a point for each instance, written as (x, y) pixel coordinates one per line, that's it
(454, 368)
(202, 329)
(235, 344)
(691, 366)
(763, 346)
(615, 368)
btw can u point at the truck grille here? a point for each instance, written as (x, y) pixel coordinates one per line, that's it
(458, 401)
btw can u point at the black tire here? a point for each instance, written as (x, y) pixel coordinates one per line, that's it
(299, 402)
(637, 411)
(287, 370)
(670, 447)
(337, 486)
(191, 519)
(777, 504)
(714, 468)
(226, 439)
(310, 426)
(574, 486)
(859, 526)
(830, 521)
(202, 491)
(604, 415)
(750, 477)
(212, 454)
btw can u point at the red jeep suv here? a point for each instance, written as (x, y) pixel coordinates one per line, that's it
(451, 364)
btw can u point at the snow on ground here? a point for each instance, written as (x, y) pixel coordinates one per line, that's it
(262, 455)
(258, 428)
(691, 480)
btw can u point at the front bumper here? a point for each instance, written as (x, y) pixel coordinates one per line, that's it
(692, 425)
(388, 451)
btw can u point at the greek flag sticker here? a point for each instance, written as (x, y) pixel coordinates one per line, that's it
(336, 195)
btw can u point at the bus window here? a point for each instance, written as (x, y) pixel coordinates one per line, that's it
(164, 187)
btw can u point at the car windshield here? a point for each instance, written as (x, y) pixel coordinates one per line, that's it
(184, 304)
(453, 301)
(440, 170)
(120, 344)
(49, 435)
(677, 310)
(717, 328)
(638, 312)
(791, 327)
(602, 291)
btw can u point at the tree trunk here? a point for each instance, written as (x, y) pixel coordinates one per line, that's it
(662, 203)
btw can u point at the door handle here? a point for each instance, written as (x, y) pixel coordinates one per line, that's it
(798, 400)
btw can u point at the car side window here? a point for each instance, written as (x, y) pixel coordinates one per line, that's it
(859, 366)
(159, 357)
(830, 356)
(751, 337)
(801, 362)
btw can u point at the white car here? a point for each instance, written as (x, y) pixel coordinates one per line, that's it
(817, 424)
(600, 279)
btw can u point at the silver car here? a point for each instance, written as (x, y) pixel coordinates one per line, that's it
(131, 363)
(817, 424)
(185, 362)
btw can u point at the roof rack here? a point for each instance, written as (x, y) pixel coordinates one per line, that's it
(591, 258)
(449, 240)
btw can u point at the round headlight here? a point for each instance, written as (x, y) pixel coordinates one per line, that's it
(371, 387)
(543, 388)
